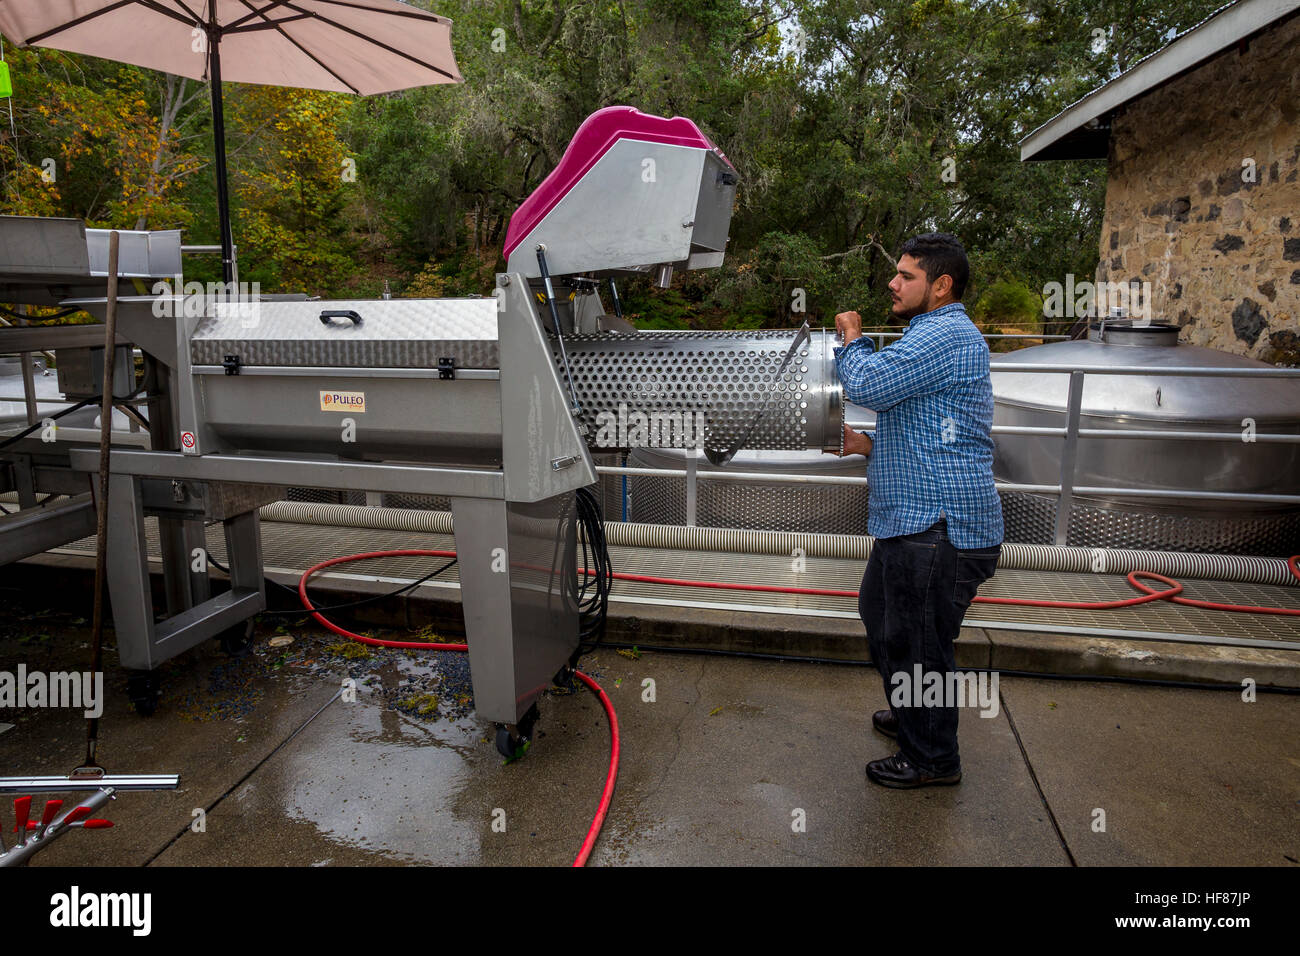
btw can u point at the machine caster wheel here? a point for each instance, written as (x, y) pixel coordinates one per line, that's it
(513, 740)
(237, 641)
(509, 745)
(142, 687)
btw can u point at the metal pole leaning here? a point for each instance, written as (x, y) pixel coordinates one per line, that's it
(101, 524)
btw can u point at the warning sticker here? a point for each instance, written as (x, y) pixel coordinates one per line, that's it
(187, 441)
(343, 402)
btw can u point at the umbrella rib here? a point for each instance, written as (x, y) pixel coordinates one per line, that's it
(234, 27)
(413, 14)
(196, 18)
(99, 13)
(266, 25)
(302, 48)
(382, 46)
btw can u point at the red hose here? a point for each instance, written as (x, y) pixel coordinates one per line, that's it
(1212, 605)
(372, 641)
(611, 776)
(1148, 595)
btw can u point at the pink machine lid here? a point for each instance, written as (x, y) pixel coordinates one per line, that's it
(598, 132)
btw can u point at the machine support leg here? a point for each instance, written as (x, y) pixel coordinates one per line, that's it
(516, 567)
(25, 483)
(184, 586)
(128, 573)
(244, 548)
(483, 556)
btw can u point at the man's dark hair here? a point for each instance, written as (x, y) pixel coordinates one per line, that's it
(940, 253)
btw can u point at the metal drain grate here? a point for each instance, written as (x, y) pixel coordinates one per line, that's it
(293, 548)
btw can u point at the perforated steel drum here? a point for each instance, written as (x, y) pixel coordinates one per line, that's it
(774, 390)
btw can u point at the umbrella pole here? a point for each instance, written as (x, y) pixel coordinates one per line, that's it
(219, 151)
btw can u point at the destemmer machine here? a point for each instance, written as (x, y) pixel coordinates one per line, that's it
(496, 403)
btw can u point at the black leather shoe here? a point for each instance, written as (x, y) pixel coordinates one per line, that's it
(898, 773)
(885, 722)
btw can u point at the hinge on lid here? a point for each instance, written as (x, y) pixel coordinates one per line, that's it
(446, 368)
(231, 364)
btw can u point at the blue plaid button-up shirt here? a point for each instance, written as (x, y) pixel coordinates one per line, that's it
(933, 452)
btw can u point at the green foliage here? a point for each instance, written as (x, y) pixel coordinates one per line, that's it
(293, 189)
(1008, 302)
(853, 126)
(100, 143)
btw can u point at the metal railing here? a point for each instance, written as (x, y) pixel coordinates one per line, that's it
(1039, 337)
(29, 384)
(211, 250)
(1071, 433)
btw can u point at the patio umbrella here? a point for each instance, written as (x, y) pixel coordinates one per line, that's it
(347, 46)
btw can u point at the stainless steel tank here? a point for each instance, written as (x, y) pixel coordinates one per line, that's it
(1154, 402)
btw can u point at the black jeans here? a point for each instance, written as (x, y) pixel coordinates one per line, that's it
(914, 593)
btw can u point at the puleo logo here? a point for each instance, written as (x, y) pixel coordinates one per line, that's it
(343, 402)
(187, 441)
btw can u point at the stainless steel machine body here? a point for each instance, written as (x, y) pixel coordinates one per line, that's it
(43, 262)
(633, 193)
(486, 403)
(287, 378)
(468, 405)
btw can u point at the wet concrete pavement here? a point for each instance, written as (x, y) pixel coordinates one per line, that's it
(734, 761)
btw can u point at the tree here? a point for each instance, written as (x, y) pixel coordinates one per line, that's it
(97, 141)
(292, 175)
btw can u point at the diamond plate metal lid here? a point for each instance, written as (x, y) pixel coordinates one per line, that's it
(364, 333)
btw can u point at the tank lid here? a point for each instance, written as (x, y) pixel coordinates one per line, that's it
(1128, 332)
(1216, 400)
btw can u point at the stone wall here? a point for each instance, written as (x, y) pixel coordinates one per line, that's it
(1217, 238)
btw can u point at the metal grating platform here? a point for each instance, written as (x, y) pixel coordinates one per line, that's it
(291, 548)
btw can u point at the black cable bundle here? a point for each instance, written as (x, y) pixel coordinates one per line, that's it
(13, 439)
(303, 612)
(594, 585)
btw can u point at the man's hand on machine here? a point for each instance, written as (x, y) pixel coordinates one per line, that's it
(855, 443)
(848, 325)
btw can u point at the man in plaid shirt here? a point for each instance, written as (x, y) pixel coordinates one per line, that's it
(933, 509)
